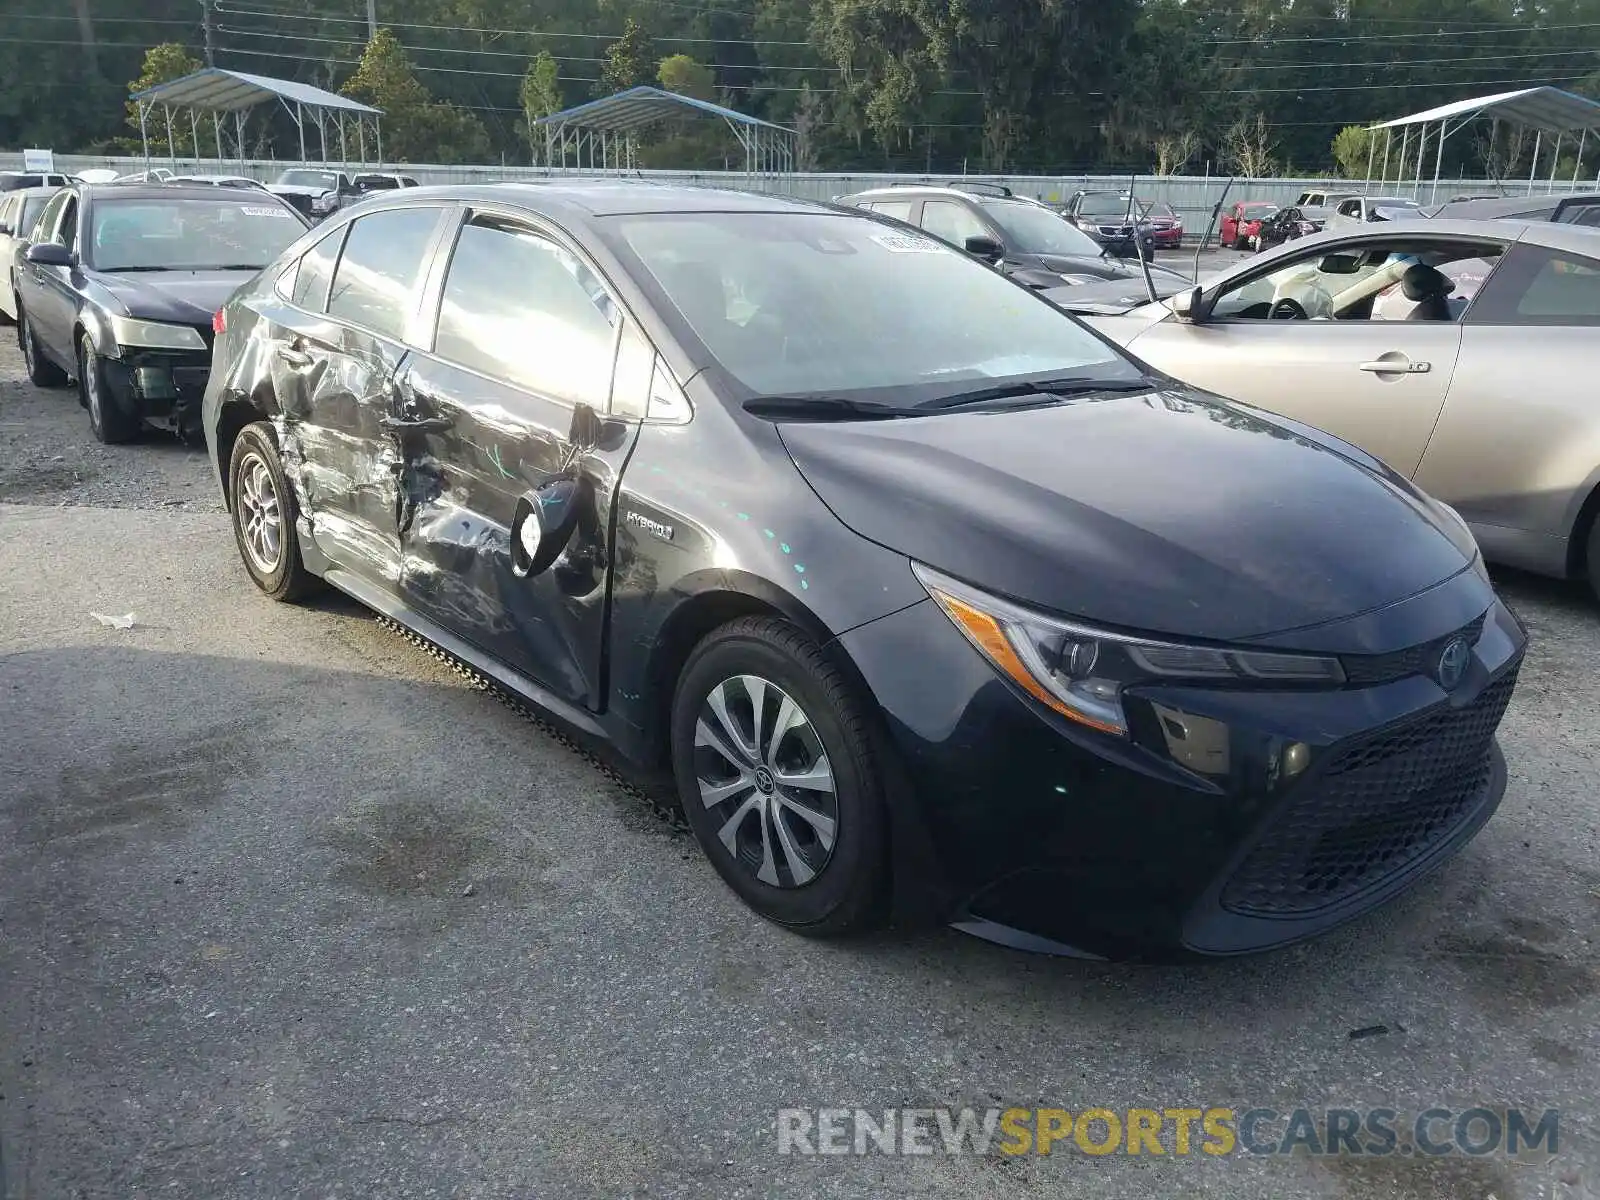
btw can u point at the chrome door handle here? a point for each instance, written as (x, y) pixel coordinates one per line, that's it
(1397, 366)
(416, 424)
(295, 358)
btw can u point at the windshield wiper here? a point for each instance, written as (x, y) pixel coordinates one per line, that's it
(1072, 385)
(823, 408)
(120, 270)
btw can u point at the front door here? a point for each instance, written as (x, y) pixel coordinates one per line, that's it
(339, 344)
(1330, 339)
(526, 333)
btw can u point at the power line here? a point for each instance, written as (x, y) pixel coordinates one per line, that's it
(1408, 62)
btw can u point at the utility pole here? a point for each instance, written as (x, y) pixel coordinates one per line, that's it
(210, 34)
(372, 19)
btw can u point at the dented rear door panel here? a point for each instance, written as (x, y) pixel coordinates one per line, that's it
(334, 386)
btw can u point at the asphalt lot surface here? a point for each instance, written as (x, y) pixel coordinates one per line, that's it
(286, 909)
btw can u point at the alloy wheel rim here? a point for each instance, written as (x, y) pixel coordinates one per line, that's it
(27, 345)
(260, 514)
(91, 389)
(765, 778)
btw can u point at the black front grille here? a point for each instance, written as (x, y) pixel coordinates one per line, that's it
(1374, 808)
(1413, 660)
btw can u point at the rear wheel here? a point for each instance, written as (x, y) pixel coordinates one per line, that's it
(264, 511)
(110, 424)
(41, 371)
(776, 767)
(1592, 556)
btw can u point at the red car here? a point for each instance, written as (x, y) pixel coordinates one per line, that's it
(1165, 225)
(1243, 222)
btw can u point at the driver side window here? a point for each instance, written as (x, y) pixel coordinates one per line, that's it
(1371, 281)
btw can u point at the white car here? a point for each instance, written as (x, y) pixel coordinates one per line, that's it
(18, 211)
(1359, 210)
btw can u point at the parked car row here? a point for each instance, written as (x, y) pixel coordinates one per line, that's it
(928, 594)
(318, 192)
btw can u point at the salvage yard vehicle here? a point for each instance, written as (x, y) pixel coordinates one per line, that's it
(1461, 353)
(1024, 239)
(313, 192)
(18, 212)
(118, 288)
(921, 590)
(1242, 222)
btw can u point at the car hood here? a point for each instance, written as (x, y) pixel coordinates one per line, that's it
(1114, 297)
(1098, 267)
(182, 297)
(1172, 513)
(297, 189)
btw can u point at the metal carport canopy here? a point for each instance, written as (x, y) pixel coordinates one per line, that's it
(605, 129)
(1547, 109)
(215, 90)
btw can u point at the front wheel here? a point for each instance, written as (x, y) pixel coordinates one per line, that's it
(776, 767)
(108, 422)
(264, 512)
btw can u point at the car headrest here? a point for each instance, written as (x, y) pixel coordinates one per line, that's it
(1422, 282)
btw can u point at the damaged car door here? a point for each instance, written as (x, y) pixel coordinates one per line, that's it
(335, 355)
(507, 412)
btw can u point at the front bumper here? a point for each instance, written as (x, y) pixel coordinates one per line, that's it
(162, 387)
(1052, 837)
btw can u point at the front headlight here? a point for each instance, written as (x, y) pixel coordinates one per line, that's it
(155, 335)
(324, 203)
(1081, 672)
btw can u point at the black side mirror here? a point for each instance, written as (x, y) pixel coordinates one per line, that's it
(48, 254)
(985, 248)
(544, 523)
(584, 433)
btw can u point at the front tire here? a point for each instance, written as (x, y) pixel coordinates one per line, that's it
(264, 512)
(41, 371)
(777, 769)
(106, 419)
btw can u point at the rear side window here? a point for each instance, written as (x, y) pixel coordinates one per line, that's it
(520, 308)
(315, 271)
(900, 210)
(377, 273)
(1538, 286)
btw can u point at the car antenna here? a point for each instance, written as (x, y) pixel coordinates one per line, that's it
(1138, 242)
(1216, 211)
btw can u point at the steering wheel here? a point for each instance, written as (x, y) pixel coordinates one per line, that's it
(1287, 310)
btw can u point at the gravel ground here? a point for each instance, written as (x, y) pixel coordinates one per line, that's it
(286, 910)
(48, 455)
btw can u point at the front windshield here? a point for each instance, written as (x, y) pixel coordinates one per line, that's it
(189, 235)
(1033, 230)
(321, 179)
(1157, 209)
(802, 304)
(1104, 206)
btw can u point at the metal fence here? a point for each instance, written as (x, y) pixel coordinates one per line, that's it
(1193, 196)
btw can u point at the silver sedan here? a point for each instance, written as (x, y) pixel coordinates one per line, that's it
(1464, 354)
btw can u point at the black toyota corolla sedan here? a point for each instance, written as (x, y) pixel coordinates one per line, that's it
(119, 290)
(928, 596)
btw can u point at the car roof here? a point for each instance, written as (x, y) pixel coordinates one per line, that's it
(1502, 206)
(49, 189)
(142, 190)
(600, 198)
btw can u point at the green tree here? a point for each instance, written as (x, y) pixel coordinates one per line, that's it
(416, 127)
(682, 74)
(628, 60)
(163, 64)
(1352, 151)
(541, 96)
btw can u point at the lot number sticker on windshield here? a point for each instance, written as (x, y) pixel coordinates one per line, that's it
(907, 243)
(253, 210)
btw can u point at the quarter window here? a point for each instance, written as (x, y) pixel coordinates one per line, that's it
(952, 222)
(315, 270)
(378, 270)
(1539, 286)
(520, 308)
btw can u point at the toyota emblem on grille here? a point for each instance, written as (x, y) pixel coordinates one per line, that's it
(1453, 662)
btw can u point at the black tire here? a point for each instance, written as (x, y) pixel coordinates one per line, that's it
(109, 423)
(848, 891)
(1592, 556)
(41, 371)
(283, 575)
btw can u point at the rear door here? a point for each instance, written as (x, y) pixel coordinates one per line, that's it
(1377, 383)
(354, 306)
(526, 333)
(1518, 444)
